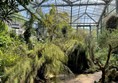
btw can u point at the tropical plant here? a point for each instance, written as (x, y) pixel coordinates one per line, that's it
(53, 21)
(3, 28)
(107, 62)
(74, 47)
(112, 22)
(7, 8)
(42, 58)
(4, 38)
(28, 26)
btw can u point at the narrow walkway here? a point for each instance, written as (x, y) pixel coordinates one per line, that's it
(85, 78)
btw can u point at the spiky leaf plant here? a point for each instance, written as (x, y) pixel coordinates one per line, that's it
(71, 41)
(7, 9)
(5, 39)
(25, 71)
(67, 45)
(55, 59)
(53, 22)
(73, 46)
(3, 28)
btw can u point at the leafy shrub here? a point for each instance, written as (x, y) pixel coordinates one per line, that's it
(112, 22)
(3, 28)
(48, 55)
(5, 40)
(106, 59)
(108, 38)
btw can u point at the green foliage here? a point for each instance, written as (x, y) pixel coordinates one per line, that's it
(7, 9)
(101, 55)
(106, 53)
(109, 38)
(3, 28)
(74, 47)
(26, 68)
(4, 38)
(54, 57)
(67, 45)
(4, 41)
(106, 39)
(21, 65)
(10, 48)
(28, 26)
(112, 22)
(8, 60)
(53, 21)
(24, 2)
(79, 35)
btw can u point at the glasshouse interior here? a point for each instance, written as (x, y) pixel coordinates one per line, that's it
(58, 41)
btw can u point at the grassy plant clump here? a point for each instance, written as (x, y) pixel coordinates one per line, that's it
(48, 55)
(74, 47)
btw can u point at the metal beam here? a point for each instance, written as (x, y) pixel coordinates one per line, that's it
(67, 1)
(93, 14)
(97, 30)
(84, 25)
(82, 4)
(34, 6)
(105, 7)
(71, 11)
(117, 6)
(103, 12)
(79, 17)
(90, 31)
(90, 17)
(86, 6)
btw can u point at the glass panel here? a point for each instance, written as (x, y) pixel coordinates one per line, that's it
(79, 8)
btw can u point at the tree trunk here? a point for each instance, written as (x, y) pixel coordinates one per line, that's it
(103, 75)
(106, 64)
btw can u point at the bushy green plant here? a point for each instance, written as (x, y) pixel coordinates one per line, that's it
(74, 47)
(53, 22)
(3, 27)
(105, 59)
(55, 58)
(27, 67)
(5, 40)
(108, 38)
(7, 60)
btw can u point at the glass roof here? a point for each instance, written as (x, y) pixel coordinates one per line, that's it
(83, 11)
(80, 11)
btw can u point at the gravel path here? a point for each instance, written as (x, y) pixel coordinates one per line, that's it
(84, 78)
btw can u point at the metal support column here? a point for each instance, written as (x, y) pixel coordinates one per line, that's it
(77, 29)
(117, 6)
(97, 30)
(101, 26)
(90, 29)
(107, 10)
(71, 17)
